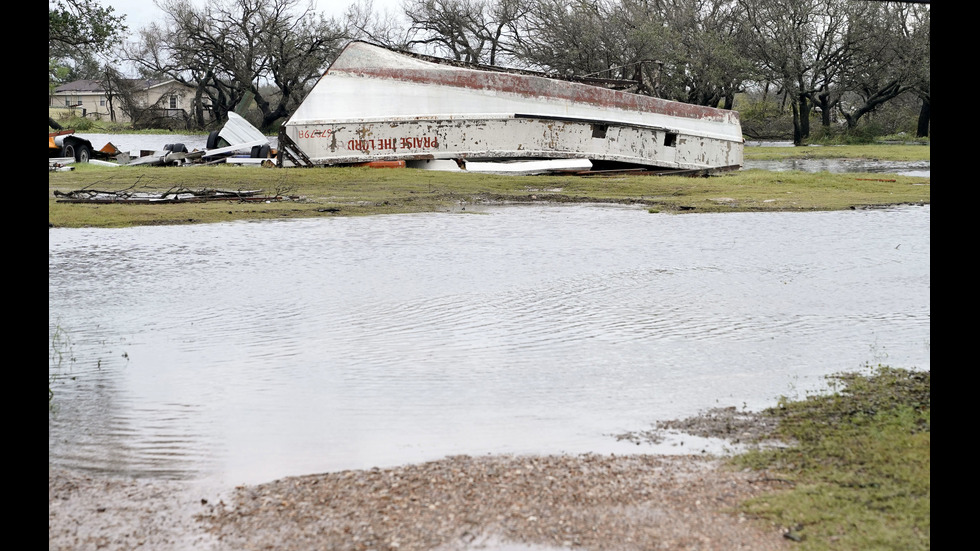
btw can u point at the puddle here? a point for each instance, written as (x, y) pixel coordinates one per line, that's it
(248, 351)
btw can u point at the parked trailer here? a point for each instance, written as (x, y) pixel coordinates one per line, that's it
(378, 104)
(65, 143)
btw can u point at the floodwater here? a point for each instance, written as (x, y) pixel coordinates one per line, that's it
(247, 351)
(902, 168)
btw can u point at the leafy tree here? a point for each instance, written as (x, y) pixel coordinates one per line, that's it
(800, 44)
(886, 61)
(568, 38)
(706, 62)
(685, 50)
(917, 30)
(82, 24)
(78, 30)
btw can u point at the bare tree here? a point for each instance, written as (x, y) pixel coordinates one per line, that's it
(471, 31)
(298, 47)
(685, 50)
(569, 38)
(230, 49)
(364, 22)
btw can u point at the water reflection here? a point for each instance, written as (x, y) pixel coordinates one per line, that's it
(903, 168)
(247, 351)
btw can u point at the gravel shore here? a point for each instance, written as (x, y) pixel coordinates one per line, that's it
(458, 503)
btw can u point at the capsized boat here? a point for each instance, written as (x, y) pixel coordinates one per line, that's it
(378, 104)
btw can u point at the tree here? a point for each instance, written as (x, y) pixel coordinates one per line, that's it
(471, 31)
(706, 62)
(77, 31)
(800, 44)
(918, 32)
(570, 38)
(298, 48)
(685, 50)
(82, 24)
(887, 58)
(230, 49)
(364, 22)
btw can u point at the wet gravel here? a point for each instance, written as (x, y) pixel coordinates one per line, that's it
(460, 503)
(89, 512)
(455, 504)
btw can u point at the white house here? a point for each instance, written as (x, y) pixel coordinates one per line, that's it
(88, 98)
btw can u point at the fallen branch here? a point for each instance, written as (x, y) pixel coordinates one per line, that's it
(172, 195)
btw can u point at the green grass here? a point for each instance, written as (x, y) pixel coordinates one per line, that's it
(858, 464)
(321, 192)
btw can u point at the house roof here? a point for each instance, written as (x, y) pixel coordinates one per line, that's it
(80, 86)
(95, 86)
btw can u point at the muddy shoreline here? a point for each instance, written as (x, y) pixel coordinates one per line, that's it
(459, 503)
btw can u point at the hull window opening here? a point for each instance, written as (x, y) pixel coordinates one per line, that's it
(670, 139)
(599, 130)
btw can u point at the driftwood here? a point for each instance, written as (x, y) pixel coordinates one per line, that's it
(172, 195)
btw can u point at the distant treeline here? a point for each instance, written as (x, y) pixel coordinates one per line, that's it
(832, 62)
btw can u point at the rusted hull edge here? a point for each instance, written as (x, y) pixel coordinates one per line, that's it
(345, 143)
(366, 60)
(534, 87)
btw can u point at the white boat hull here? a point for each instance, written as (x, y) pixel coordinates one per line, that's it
(375, 104)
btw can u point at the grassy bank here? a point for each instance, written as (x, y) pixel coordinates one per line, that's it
(304, 193)
(858, 468)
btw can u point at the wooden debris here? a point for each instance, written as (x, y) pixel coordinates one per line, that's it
(173, 195)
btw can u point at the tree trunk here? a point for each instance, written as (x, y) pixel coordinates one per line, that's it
(797, 131)
(804, 117)
(823, 102)
(924, 119)
(199, 107)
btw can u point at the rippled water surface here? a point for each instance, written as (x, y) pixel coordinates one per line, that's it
(248, 351)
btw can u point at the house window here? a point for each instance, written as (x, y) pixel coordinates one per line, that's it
(67, 102)
(173, 102)
(101, 102)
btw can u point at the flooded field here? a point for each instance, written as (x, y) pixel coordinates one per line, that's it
(248, 351)
(904, 168)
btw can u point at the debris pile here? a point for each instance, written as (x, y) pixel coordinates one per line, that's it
(173, 195)
(237, 142)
